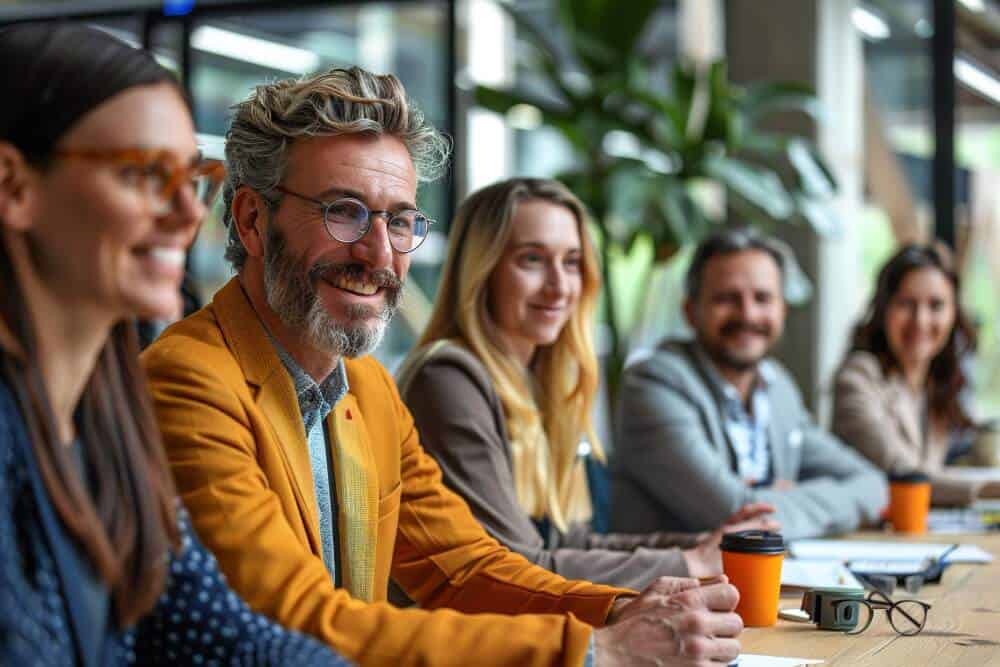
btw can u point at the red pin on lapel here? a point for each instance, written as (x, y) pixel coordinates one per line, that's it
(347, 414)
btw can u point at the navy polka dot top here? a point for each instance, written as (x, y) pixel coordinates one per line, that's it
(197, 620)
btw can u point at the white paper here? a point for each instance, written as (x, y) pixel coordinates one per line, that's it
(887, 550)
(975, 474)
(797, 573)
(750, 660)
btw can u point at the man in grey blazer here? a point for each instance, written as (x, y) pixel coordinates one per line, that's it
(708, 425)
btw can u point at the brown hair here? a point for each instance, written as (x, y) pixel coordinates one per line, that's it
(127, 521)
(946, 378)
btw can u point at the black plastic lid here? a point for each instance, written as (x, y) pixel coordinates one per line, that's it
(753, 542)
(914, 477)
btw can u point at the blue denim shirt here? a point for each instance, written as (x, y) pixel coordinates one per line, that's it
(749, 431)
(315, 403)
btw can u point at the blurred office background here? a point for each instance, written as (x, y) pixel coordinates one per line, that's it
(904, 122)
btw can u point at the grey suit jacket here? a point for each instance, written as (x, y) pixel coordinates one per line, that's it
(675, 468)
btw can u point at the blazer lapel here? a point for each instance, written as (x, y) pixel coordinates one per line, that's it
(276, 397)
(278, 402)
(711, 383)
(779, 436)
(357, 497)
(907, 414)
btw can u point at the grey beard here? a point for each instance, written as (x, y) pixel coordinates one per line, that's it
(292, 297)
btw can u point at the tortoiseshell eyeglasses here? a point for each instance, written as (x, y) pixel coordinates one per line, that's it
(158, 173)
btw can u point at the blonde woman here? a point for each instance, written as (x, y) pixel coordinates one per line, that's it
(502, 383)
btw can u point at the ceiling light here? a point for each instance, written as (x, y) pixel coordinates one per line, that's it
(524, 117)
(254, 50)
(977, 78)
(974, 5)
(870, 24)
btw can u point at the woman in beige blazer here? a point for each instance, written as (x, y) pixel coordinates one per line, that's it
(502, 383)
(896, 397)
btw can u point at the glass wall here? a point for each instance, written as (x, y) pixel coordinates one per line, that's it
(899, 127)
(977, 149)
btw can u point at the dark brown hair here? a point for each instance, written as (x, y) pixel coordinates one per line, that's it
(126, 521)
(945, 378)
(730, 242)
(123, 515)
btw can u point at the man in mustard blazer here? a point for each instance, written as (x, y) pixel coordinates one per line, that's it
(300, 466)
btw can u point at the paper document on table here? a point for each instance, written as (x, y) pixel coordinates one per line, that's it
(806, 574)
(983, 516)
(850, 550)
(975, 474)
(750, 660)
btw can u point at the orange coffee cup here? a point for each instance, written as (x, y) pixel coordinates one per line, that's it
(752, 561)
(909, 502)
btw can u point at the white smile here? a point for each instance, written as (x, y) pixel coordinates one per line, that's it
(168, 256)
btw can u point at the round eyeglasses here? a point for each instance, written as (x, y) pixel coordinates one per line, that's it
(907, 617)
(348, 220)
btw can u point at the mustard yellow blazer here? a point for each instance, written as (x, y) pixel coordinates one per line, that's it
(237, 447)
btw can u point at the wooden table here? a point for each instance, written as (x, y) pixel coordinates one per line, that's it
(963, 627)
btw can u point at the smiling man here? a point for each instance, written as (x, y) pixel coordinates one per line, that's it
(709, 425)
(299, 464)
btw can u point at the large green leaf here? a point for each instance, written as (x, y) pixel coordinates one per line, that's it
(550, 61)
(758, 185)
(820, 215)
(604, 32)
(591, 188)
(657, 124)
(571, 122)
(766, 143)
(631, 188)
(682, 214)
(527, 29)
(682, 87)
(759, 99)
(722, 119)
(814, 176)
(500, 101)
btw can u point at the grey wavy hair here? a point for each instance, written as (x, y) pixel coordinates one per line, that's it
(338, 101)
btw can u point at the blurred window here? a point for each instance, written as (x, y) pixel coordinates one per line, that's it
(900, 126)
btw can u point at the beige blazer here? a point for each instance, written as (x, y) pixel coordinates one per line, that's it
(882, 418)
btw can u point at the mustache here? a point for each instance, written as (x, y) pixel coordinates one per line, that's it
(383, 278)
(738, 326)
